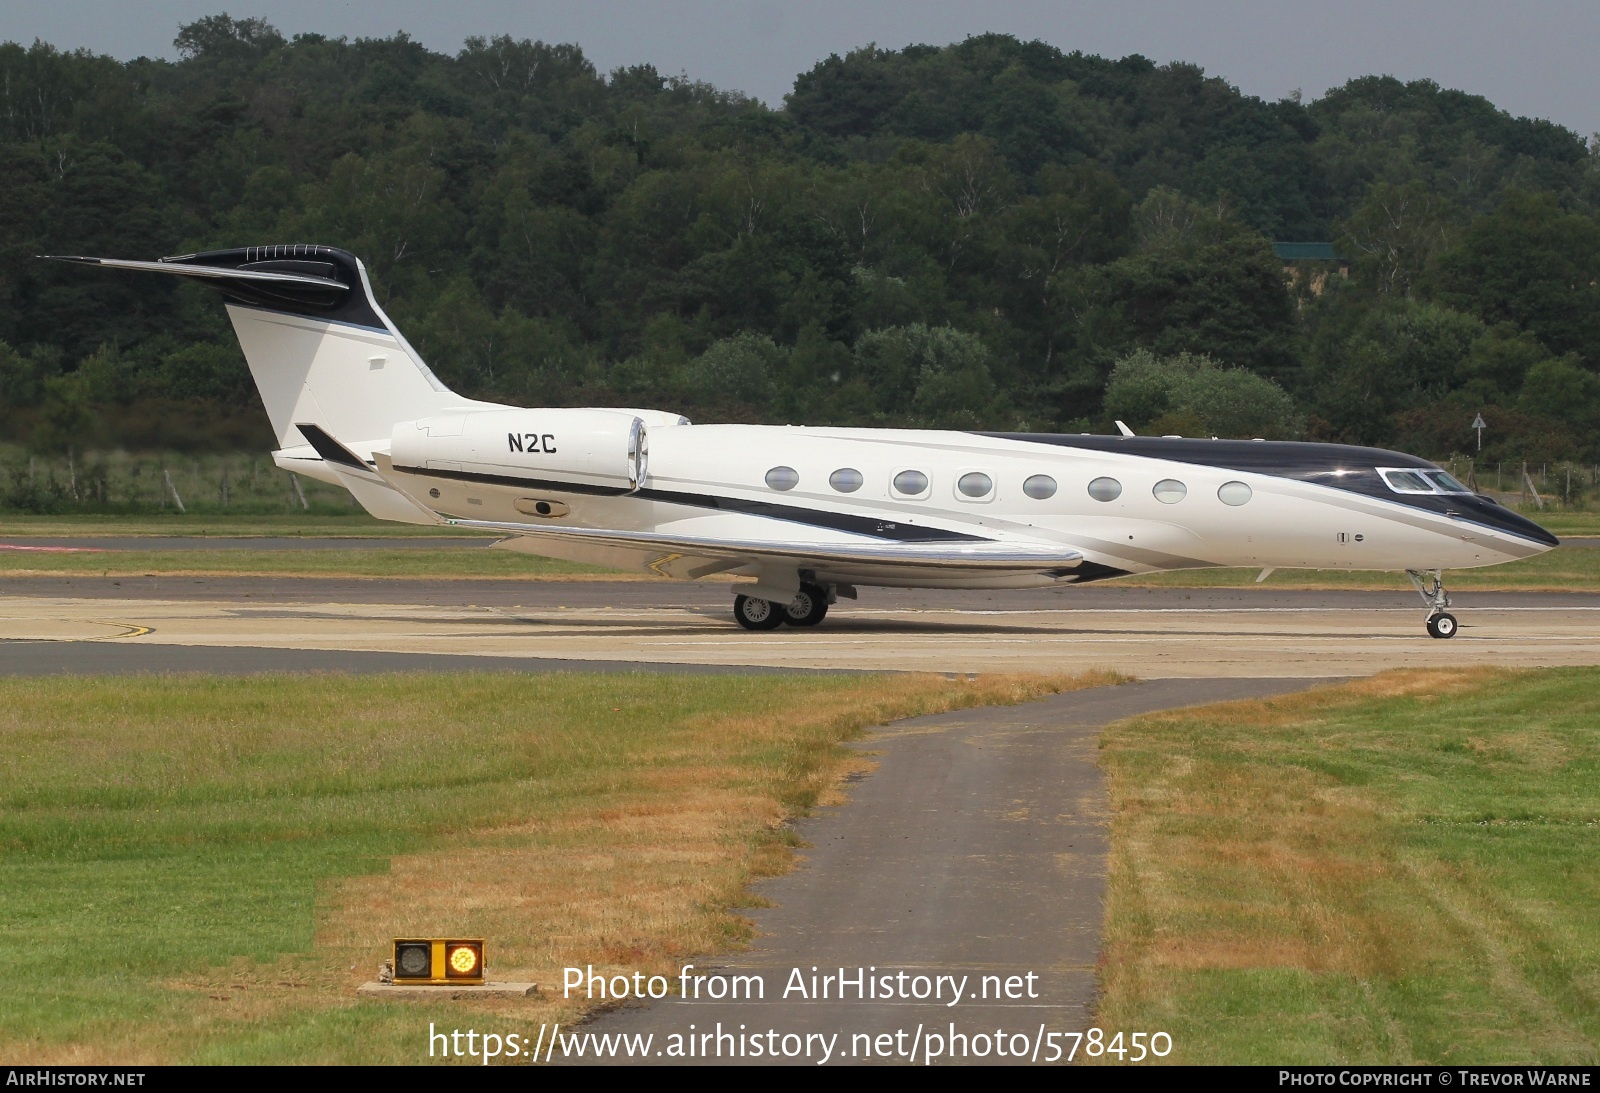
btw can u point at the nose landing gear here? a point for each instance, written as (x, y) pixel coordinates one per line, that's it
(1430, 586)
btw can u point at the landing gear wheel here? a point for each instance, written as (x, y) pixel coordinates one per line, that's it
(1430, 585)
(809, 606)
(754, 614)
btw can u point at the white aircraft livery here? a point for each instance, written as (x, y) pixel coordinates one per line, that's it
(812, 514)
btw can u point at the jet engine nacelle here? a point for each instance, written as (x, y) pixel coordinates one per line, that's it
(603, 448)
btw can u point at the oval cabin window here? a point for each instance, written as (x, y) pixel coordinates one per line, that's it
(845, 480)
(1039, 487)
(783, 478)
(975, 484)
(1234, 493)
(1105, 489)
(911, 483)
(1169, 491)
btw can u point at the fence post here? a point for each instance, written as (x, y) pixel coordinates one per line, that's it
(175, 498)
(294, 480)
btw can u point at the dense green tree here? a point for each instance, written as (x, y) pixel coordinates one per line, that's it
(1532, 263)
(1201, 282)
(965, 235)
(1165, 393)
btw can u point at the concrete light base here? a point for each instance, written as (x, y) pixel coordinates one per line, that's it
(418, 990)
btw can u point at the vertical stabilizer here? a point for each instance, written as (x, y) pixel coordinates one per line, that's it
(319, 347)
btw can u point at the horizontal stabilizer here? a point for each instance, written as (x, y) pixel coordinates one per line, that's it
(215, 273)
(330, 449)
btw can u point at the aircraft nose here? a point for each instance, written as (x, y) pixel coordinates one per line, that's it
(1500, 518)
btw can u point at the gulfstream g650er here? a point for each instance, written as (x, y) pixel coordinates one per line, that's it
(813, 513)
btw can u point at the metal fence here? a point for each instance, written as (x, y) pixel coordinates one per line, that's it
(119, 482)
(1562, 486)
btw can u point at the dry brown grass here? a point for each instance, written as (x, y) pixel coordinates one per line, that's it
(645, 878)
(1302, 879)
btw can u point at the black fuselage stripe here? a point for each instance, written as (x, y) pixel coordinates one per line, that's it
(1344, 467)
(888, 530)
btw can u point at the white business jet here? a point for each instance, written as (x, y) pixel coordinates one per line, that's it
(811, 514)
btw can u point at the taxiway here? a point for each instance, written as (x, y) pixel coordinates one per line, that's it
(93, 624)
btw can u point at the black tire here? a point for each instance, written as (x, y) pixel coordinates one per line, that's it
(808, 608)
(1442, 625)
(754, 614)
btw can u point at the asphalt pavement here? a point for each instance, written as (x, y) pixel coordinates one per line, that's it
(976, 852)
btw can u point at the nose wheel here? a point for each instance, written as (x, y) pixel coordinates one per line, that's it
(1430, 586)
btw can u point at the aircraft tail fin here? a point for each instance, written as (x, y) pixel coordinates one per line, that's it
(319, 347)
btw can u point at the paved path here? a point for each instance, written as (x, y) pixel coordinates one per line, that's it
(976, 849)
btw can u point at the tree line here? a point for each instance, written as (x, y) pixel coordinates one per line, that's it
(991, 234)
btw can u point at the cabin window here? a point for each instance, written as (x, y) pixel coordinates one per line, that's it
(1040, 487)
(845, 480)
(1105, 489)
(1234, 493)
(911, 483)
(975, 484)
(783, 478)
(1169, 491)
(1407, 481)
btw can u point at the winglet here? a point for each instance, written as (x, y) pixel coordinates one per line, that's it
(1124, 430)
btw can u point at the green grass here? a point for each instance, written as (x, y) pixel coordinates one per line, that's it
(1566, 569)
(353, 525)
(1563, 522)
(202, 869)
(1395, 871)
(1570, 569)
(442, 563)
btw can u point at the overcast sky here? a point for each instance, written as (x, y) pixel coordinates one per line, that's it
(1532, 58)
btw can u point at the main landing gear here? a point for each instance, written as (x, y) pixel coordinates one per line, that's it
(1430, 586)
(808, 608)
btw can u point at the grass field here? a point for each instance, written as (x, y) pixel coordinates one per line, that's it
(1570, 569)
(196, 869)
(309, 524)
(1564, 569)
(1399, 870)
(442, 563)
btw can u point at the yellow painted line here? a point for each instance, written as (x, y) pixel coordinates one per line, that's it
(130, 630)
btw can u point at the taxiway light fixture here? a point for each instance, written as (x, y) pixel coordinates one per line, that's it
(440, 961)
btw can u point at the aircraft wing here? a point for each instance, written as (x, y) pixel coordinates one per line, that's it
(963, 555)
(689, 556)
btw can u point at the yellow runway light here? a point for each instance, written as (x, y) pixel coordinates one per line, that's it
(445, 961)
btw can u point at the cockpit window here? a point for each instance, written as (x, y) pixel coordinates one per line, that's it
(1407, 482)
